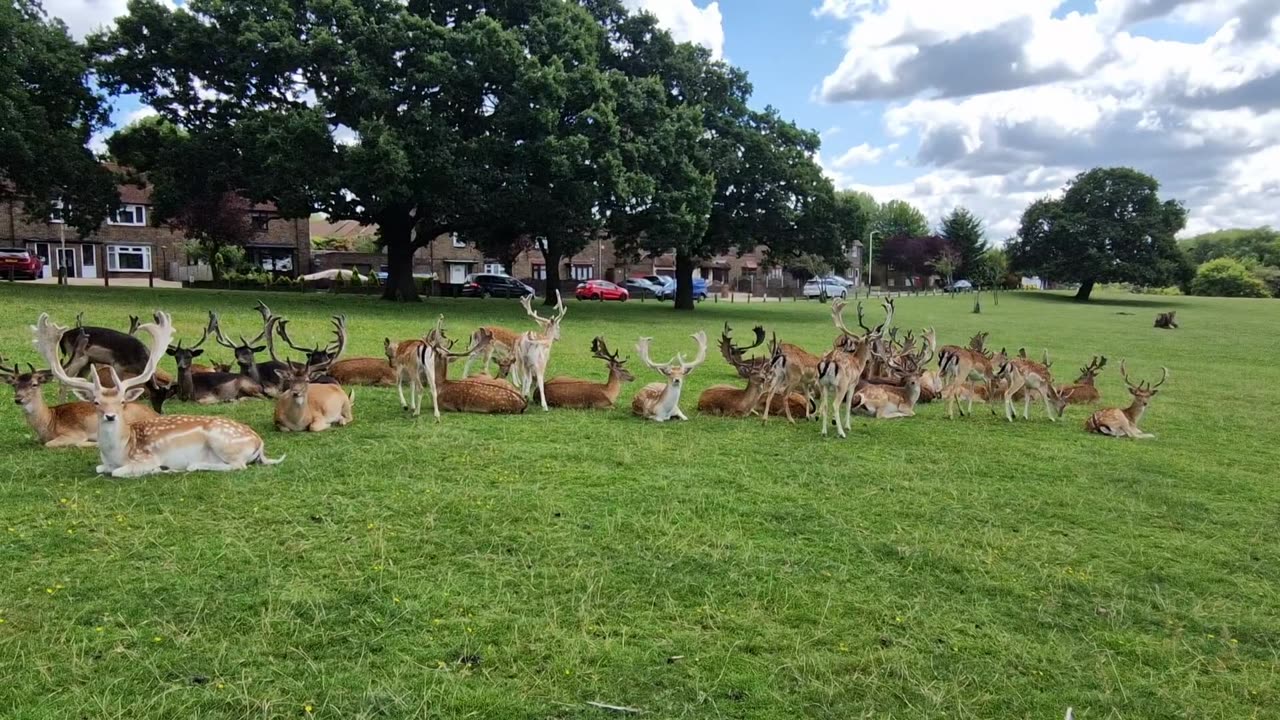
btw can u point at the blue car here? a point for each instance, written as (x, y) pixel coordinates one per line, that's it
(669, 291)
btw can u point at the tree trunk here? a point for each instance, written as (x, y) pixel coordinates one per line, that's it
(397, 236)
(1086, 289)
(684, 282)
(551, 255)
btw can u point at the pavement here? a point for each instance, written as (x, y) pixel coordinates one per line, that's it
(115, 282)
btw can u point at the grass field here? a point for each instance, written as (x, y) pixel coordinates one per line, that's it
(521, 567)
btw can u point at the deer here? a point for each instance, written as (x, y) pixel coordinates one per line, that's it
(1024, 378)
(311, 407)
(363, 371)
(500, 339)
(211, 387)
(87, 345)
(840, 370)
(661, 401)
(564, 392)
(533, 350)
(733, 354)
(957, 365)
(731, 401)
(168, 443)
(73, 424)
(1117, 422)
(471, 395)
(887, 401)
(1083, 391)
(413, 361)
(1167, 321)
(793, 370)
(319, 356)
(268, 375)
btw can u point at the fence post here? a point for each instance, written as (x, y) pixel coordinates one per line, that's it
(151, 279)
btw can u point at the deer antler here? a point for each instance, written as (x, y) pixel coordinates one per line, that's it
(701, 338)
(47, 335)
(340, 337)
(1164, 375)
(271, 332)
(133, 324)
(284, 335)
(642, 350)
(218, 337)
(861, 321)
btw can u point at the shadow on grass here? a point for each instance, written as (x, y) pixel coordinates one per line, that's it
(1152, 302)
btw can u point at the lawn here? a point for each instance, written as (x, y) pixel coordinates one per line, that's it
(521, 567)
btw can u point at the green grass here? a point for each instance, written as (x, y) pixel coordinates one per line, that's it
(519, 567)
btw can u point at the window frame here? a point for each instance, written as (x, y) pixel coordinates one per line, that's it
(138, 213)
(113, 258)
(574, 269)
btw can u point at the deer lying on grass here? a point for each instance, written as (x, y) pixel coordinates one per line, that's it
(171, 443)
(661, 401)
(1025, 378)
(268, 375)
(501, 342)
(733, 354)
(318, 356)
(1167, 321)
(731, 401)
(1124, 423)
(887, 401)
(533, 350)
(311, 407)
(73, 424)
(1083, 391)
(471, 395)
(564, 392)
(363, 371)
(85, 346)
(957, 365)
(208, 388)
(840, 371)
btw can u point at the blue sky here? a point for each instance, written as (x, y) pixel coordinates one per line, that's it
(993, 103)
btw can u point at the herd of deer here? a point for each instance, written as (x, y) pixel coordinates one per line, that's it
(872, 372)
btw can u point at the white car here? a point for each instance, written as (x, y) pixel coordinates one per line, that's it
(830, 287)
(842, 280)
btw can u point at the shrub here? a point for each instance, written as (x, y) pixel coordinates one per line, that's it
(1225, 277)
(356, 279)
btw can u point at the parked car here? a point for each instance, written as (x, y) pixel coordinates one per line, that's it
(491, 285)
(817, 287)
(842, 280)
(958, 286)
(668, 292)
(601, 290)
(652, 284)
(21, 262)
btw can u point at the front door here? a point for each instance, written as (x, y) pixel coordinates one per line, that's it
(89, 261)
(457, 273)
(67, 259)
(46, 259)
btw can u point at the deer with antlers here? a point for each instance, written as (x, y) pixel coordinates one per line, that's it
(957, 366)
(73, 424)
(87, 345)
(501, 344)
(661, 401)
(564, 392)
(731, 401)
(208, 388)
(268, 375)
(533, 350)
(319, 356)
(840, 371)
(414, 362)
(889, 401)
(479, 394)
(306, 404)
(1084, 391)
(173, 443)
(1118, 422)
(734, 354)
(1023, 378)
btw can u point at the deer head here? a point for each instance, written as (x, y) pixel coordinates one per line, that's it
(600, 351)
(677, 369)
(184, 356)
(1089, 372)
(1142, 392)
(550, 327)
(26, 385)
(246, 349)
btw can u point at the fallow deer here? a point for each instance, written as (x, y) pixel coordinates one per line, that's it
(732, 401)
(1124, 423)
(311, 407)
(319, 355)
(840, 370)
(661, 401)
(957, 365)
(1024, 378)
(564, 392)
(1084, 391)
(474, 394)
(86, 345)
(413, 362)
(887, 401)
(363, 371)
(209, 388)
(533, 350)
(793, 370)
(1167, 321)
(502, 343)
(734, 354)
(172, 443)
(269, 375)
(73, 424)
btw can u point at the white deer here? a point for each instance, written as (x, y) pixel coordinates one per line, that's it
(533, 350)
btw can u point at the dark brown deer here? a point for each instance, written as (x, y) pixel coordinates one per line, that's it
(208, 388)
(1167, 321)
(269, 375)
(87, 345)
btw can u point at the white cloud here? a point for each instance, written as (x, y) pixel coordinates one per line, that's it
(1008, 96)
(687, 21)
(85, 16)
(864, 154)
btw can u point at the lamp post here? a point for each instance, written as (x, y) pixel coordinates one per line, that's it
(871, 247)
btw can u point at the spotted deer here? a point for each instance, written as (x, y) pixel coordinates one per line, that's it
(1024, 378)
(887, 401)
(502, 343)
(1117, 422)
(793, 370)
(564, 392)
(661, 401)
(414, 362)
(168, 443)
(730, 400)
(73, 424)
(840, 370)
(363, 371)
(478, 394)
(957, 365)
(533, 350)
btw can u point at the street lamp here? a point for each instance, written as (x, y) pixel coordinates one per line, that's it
(871, 246)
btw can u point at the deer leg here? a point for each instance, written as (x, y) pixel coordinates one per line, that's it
(318, 425)
(822, 411)
(215, 467)
(435, 398)
(678, 413)
(542, 392)
(1026, 404)
(400, 389)
(786, 405)
(65, 441)
(768, 400)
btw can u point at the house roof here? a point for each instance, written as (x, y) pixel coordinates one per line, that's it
(343, 229)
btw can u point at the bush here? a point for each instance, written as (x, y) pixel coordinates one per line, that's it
(1225, 277)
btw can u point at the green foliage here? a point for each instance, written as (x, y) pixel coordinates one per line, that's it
(1261, 245)
(946, 263)
(48, 113)
(964, 231)
(1109, 226)
(1226, 277)
(992, 268)
(899, 218)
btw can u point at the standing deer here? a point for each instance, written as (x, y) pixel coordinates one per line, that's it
(73, 424)
(173, 443)
(1024, 378)
(86, 345)
(840, 371)
(957, 366)
(564, 392)
(413, 362)
(661, 401)
(1083, 391)
(471, 395)
(793, 370)
(500, 339)
(533, 350)
(268, 375)
(1124, 423)
(208, 388)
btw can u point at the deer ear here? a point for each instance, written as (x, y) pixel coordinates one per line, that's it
(133, 394)
(197, 352)
(259, 349)
(84, 395)
(170, 352)
(44, 376)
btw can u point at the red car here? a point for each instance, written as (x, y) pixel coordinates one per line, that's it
(601, 290)
(21, 262)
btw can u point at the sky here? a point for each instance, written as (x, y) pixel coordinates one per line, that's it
(991, 104)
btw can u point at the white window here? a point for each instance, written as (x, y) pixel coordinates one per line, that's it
(892, 282)
(457, 241)
(129, 258)
(539, 272)
(135, 215)
(775, 273)
(494, 268)
(55, 215)
(582, 272)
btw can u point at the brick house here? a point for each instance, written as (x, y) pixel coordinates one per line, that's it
(128, 245)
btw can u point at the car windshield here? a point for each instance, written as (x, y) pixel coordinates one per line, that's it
(13, 254)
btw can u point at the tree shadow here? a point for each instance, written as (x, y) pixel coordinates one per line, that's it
(1151, 302)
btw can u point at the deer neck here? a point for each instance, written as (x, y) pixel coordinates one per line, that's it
(1135, 411)
(40, 418)
(251, 370)
(751, 396)
(670, 399)
(116, 442)
(186, 385)
(613, 388)
(293, 412)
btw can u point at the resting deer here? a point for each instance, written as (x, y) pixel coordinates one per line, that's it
(1124, 423)
(731, 401)
(414, 361)
(1024, 378)
(564, 392)
(268, 375)
(73, 424)
(887, 401)
(957, 365)
(840, 370)
(1167, 321)
(173, 443)
(533, 350)
(363, 371)
(500, 339)
(661, 401)
(86, 345)
(471, 395)
(319, 355)
(733, 354)
(1083, 391)
(311, 407)
(211, 387)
